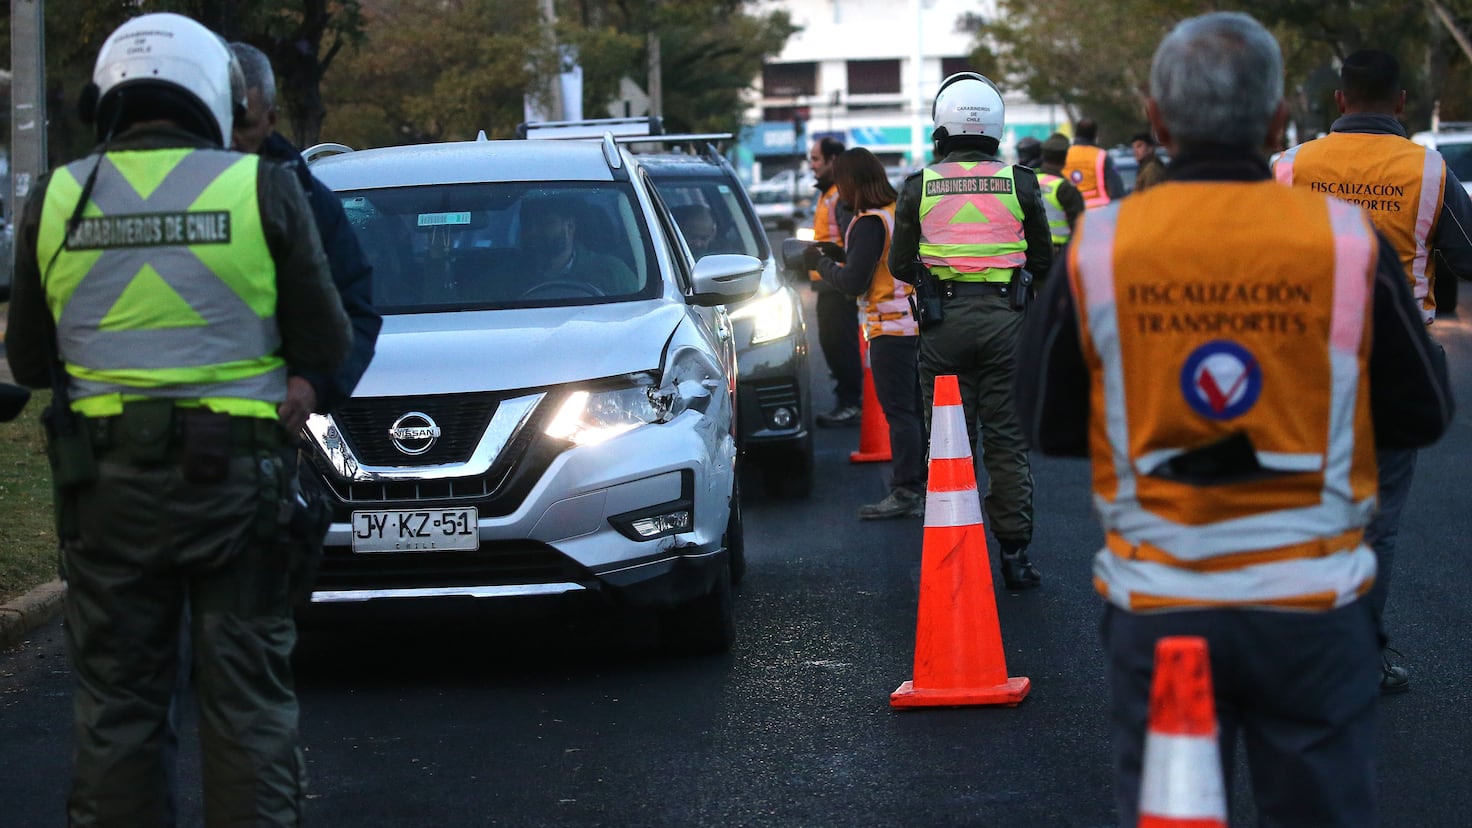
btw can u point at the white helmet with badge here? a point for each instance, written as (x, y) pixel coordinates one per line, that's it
(967, 104)
(169, 52)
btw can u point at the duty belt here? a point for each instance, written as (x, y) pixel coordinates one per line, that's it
(950, 288)
(246, 434)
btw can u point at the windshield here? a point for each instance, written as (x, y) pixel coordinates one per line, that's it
(1459, 158)
(501, 245)
(711, 216)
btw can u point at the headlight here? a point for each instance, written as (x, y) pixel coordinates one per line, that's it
(805, 233)
(771, 316)
(589, 417)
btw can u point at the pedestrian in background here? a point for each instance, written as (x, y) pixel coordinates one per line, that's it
(185, 281)
(979, 227)
(1422, 209)
(1089, 167)
(1147, 154)
(889, 324)
(351, 273)
(838, 315)
(1063, 201)
(1030, 152)
(1233, 465)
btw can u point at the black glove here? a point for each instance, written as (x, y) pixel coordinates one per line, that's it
(831, 250)
(810, 257)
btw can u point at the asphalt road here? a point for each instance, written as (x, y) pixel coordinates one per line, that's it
(471, 720)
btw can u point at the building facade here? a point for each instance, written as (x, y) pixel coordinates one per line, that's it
(865, 72)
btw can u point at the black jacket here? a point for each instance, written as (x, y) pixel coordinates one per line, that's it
(351, 273)
(1410, 395)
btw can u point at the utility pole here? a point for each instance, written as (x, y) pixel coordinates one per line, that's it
(656, 78)
(27, 101)
(555, 109)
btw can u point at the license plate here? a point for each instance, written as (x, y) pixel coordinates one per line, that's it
(422, 531)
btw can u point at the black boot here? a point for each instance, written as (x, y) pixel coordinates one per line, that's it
(1017, 571)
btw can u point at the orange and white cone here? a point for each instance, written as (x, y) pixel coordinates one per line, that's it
(958, 641)
(1181, 782)
(873, 425)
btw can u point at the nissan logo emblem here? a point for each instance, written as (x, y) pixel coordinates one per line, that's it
(414, 433)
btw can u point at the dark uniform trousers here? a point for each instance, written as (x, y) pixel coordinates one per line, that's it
(977, 342)
(147, 541)
(1300, 688)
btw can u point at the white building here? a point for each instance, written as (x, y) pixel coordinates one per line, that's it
(865, 72)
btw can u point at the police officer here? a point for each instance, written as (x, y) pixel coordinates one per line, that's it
(1415, 199)
(1063, 200)
(1231, 438)
(1090, 168)
(979, 227)
(169, 284)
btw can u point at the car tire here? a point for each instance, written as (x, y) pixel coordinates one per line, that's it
(789, 475)
(736, 537)
(703, 626)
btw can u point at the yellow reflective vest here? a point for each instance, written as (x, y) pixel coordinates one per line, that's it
(1230, 431)
(165, 288)
(971, 221)
(1057, 216)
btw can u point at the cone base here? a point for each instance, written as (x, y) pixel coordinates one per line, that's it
(1010, 693)
(870, 456)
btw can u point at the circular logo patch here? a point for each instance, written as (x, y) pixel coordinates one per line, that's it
(1221, 380)
(1076, 176)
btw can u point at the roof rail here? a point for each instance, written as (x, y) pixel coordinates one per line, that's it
(591, 128)
(316, 151)
(611, 154)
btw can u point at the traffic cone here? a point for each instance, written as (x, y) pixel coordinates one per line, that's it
(958, 642)
(873, 425)
(1181, 782)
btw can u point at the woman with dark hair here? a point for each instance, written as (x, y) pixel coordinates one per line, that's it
(889, 325)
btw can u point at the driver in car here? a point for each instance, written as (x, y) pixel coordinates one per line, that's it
(562, 261)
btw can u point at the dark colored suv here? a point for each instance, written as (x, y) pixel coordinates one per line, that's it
(774, 406)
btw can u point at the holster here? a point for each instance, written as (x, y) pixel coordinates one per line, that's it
(926, 302)
(1020, 289)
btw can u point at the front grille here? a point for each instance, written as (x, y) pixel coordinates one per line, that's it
(455, 488)
(776, 395)
(504, 563)
(462, 418)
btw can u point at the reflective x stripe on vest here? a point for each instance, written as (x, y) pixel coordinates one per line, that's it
(1085, 168)
(971, 220)
(1399, 182)
(886, 306)
(166, 288)
(1267, 338)
(1057, 217)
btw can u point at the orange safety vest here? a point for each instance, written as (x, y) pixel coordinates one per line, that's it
(1261, 330)
(1084, 168)
(1399, 182)
(825, 222)
(886, 305)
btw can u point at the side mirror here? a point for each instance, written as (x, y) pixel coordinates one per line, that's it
(13, 399)
(792, 266)
(725, 278)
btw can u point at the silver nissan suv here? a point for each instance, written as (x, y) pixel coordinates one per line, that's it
(551, 408)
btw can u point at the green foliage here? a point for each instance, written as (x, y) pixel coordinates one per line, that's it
(28, 533)
(1093, 56)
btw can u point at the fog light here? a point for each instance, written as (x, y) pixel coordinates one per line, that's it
(783, 417)
(665, 524)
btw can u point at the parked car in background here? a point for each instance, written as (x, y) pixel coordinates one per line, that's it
(772, 392)
(529, 426)
(777, 207)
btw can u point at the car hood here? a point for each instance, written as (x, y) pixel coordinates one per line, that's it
(501, 350)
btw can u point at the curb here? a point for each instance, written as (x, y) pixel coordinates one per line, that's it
(24, 614)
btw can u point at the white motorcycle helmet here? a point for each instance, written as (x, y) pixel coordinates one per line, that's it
(148, 60)
(967, 104)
